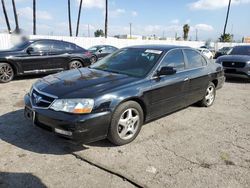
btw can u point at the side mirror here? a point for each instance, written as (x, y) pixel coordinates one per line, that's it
(100, 51)
(30, 50)
(166, 71)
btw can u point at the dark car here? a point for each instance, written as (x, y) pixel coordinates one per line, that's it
(100, 51)
(222, 51)
(237, 63)
(41, 56)
(114, 97)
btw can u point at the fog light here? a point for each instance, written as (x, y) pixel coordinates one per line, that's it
(68, 133)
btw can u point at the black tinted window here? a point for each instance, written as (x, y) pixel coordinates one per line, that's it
(241, 50)
(41, 46)
(195, 60)
(62, 46)
(174, 59)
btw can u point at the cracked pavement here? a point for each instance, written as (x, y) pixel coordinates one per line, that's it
(194, 147)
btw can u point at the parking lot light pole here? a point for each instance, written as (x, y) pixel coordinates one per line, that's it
(228, 9)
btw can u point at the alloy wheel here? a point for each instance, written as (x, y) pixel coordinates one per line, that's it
(210, 95)
(128, 124)
(75, 65)
(6, 73)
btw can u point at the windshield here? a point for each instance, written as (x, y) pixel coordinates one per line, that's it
(130, 61)
(21, 45)
(241, 50)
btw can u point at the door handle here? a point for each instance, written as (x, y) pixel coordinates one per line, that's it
(186, 79)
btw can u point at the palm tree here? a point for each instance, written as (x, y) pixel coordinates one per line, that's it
(78, 19)
(34, 17)
(186, 28)
(6, 16)
(228, 9)
(70, 28)
(17, 30)
(106, 18)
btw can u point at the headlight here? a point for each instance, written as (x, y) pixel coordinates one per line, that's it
(76, 106)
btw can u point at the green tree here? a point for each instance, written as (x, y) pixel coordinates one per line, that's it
(186, 28)
(99, 33)
(227, 37)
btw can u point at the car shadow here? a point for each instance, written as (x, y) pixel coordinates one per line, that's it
(29, 77)
(237, 80)
(17, 131)
(10, 179)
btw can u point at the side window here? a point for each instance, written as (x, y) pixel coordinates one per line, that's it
(41, 46)
(62, 46)
(195, 60)
(174, 59)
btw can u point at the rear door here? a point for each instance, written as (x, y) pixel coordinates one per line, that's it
(169, 92)
(60, 54)
(38, 59)
(197, 75)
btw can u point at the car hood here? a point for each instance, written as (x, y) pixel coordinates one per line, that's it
(84, 82)
(239, 58)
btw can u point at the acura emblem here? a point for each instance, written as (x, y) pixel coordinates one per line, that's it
(37, 98)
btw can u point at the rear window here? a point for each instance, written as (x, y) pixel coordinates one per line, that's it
(195, 60)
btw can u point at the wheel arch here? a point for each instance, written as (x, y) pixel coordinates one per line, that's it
(14, 67)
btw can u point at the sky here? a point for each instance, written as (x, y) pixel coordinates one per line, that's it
(163, 18)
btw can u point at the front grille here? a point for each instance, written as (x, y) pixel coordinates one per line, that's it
(41, 99)
(233, 64)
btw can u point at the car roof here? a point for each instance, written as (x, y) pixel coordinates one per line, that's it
(158, 47)
(52, 40)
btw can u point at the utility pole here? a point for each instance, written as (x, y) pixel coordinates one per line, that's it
(34, 17)
(228, 9)
(130, 30)
(106, 19)
(88, 31)
(6, 16)
(196, 34)
(15, 15)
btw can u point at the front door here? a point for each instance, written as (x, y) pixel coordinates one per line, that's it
(36, 59)
(168, 93)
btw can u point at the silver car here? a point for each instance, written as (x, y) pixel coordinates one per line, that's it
(237, 63)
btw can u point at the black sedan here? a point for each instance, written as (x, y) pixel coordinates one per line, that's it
(41, 56)
(237, 63)
(114, 97)
(100, 51)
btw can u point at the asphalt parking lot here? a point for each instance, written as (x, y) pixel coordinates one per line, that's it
(194, 147)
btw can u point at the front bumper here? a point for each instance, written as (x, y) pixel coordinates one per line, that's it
(84, 128)
(237, 72)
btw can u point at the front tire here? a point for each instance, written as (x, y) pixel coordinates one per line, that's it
(93, 59)
(126, 123)
(6, 73)
(75, 64)
(209, 97)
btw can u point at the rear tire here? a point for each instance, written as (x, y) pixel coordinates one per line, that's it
(75, 64)
(209, 97)
(6, 73)
(93, 59)
(126, 123)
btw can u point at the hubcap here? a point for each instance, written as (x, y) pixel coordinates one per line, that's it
(6, 73)
(210, 95)
(128, 124)
(75, 65)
